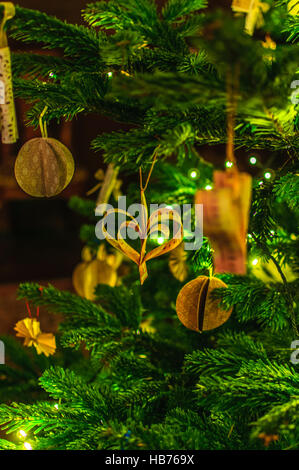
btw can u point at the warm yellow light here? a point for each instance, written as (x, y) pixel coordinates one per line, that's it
(160, 240)
(229, 164)
(208, 187)
(22, 433)
(27, 446)
(254, 262)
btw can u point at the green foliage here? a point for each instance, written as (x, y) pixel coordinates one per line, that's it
(145, 380)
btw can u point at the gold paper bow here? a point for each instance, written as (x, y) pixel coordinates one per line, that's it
(149, 225)
(29, 328)
(254, 10)
(100, 176)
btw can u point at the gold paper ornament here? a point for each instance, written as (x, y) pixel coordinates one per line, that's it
(269, 43)
(93, 271)
(44, 167)
(29, 328)
(112, 186)
(149, 225)
(196, 308)
(254, 10)
(177, 263)
(293, 7)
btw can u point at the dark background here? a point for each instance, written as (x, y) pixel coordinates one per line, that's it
(38, 237)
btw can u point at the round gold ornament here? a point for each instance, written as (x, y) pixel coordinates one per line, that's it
(93, 271)
(197, 309)
(44, 167)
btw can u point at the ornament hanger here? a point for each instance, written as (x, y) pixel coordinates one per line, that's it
(43, 124)
(232, 85)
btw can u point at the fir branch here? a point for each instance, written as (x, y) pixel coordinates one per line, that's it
(174, 9)
(54, 33)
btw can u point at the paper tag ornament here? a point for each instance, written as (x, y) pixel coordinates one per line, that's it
(9, 130)
(225, 219)
(149, 225)
(254, 10)
(29, 328)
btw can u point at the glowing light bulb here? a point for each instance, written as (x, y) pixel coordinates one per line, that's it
(254, 262)
(252, 160)
(228, 164)
(110, 74)
(27, 446)
(160, 240)
(193, 173)
(267, 175)
(22, 433)
(208, 187)
(56, 406)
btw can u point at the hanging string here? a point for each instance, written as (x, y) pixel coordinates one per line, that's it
(28, 309)
(43, 125)
(150, 172)
(232, 84)
(37, 308)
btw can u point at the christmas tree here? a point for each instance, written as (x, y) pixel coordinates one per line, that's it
(209, 95)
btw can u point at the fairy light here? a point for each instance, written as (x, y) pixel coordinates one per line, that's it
(252, 160)
(27, 446)
(193, 173)
(228, 164)
(208, 187)
(254, 262)
(22, 433)
(160, 240)
(109, 74)
(56, 406)
(267, 175)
